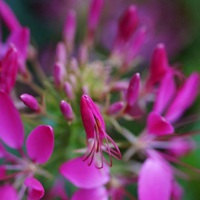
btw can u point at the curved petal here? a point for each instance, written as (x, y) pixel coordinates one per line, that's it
(8, 16)
(11, 127)
(155, 180)
(98, 193)
(40, 144)
(36, 190)
(157, 125)
(8, 192)
(184, 98)
(81, 175)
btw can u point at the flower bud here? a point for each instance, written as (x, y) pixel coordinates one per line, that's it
(115, 108)
(93, 17)
(70, 29)
(30, 101)
(61, 54)
(66, 110)
(133, 89)
(68, 90)
(59, 73)
(128, 23)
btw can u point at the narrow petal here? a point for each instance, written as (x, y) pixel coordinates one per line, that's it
(11, 127)
(81, 175)
(155, 180)
(8, 192)
(98, 193)
(184, 98)
(40, 144)
(35, 188)
(157, 125)
(163, 99)
(8, 16)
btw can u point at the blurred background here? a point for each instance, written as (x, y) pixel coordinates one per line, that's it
(175, 23)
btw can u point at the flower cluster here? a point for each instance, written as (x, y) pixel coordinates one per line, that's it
(100, 122)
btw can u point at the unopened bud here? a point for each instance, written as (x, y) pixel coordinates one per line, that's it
(93, 17)
(59, 73)
(70, 29)
(133, 89)
(68, 90)
(30, 101)
(128, 23)
(61, 54)
(115, 108)
(66, 110)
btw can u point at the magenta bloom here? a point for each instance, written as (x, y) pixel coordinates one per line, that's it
(97, 138)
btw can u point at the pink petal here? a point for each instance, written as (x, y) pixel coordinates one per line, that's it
(99, 193)
(157, 125)
(8, 16)
(163, 100)
(81, 175)
(8, 192)
(40, 144)
(184, 98)
(36, 190)
(12, 132)
(155, 180)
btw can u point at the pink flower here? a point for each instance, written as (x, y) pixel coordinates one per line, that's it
(84, 176)
(96, 134)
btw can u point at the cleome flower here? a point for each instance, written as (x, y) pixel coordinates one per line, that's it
(97, 138)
